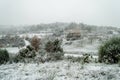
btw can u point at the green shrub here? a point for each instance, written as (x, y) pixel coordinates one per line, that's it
(86, 58)
(4, 56)
(53, 46)
(25, 53)
(54, 50)
(109, 52)
(17, 58)
(49, 46)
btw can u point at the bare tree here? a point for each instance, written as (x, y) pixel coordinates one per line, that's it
(35, 42)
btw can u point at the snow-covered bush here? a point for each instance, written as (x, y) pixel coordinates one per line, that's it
(109, 52)
(27, 52)
(4, 56)
(86, 58)
(53, 46)
(54, 50)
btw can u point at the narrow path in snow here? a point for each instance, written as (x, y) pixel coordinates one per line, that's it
(26, 42)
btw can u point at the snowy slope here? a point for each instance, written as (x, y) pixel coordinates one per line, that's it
(61, 70)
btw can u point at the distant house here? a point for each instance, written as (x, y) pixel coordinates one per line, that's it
(73, 34)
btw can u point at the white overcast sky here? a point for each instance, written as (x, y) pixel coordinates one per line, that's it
(96, 12)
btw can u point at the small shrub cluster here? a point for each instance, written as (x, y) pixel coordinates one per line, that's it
(55, 56)
(85, 58)
(54, 50)
(74, 59)
(109, 52)
(28, 52)
(53, 46)
(50, 51)
(4, 56)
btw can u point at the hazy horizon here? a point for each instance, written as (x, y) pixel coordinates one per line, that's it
(28, 12)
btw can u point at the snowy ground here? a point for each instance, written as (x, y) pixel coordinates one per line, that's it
(15, 50)
(61, 70)
(75, 49)
(12, 50)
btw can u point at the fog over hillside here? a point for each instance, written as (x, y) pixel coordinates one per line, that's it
(12, 29)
